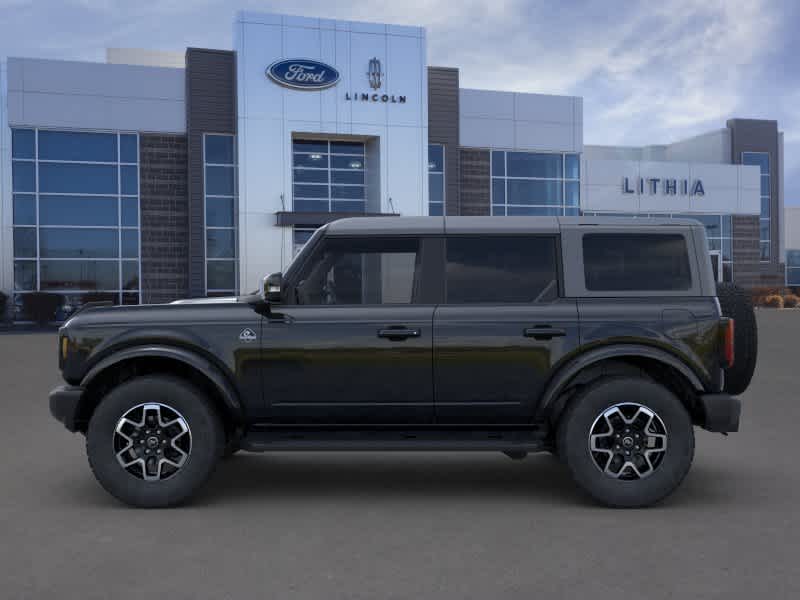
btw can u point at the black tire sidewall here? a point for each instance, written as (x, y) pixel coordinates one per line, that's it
(736, 304)
(573, 441)
(204, 424)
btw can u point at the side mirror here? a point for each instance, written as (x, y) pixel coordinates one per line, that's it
(271, 288)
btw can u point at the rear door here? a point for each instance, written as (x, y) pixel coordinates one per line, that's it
(501, 329)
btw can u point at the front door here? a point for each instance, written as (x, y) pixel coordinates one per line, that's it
(501, 329)
(353, 343)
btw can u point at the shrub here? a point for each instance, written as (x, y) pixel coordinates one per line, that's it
(773, 301)
(41, 307)
(790, 301)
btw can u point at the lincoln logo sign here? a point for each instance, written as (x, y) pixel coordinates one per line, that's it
(303, 74)
(669, 187)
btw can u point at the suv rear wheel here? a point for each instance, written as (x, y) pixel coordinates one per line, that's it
(153, 441)
(628, 442)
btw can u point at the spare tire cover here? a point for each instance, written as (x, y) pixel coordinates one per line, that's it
(736, 304)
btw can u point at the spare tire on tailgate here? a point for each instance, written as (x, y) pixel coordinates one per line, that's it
(736, 304)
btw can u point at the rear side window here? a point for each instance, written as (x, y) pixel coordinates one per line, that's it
(519, 269)
(616, 262)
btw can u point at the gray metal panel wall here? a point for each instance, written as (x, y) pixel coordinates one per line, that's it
(163, 198)
(443, 111)
(755, 135)
(210, 108)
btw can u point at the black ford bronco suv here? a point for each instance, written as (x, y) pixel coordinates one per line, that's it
(602, 340)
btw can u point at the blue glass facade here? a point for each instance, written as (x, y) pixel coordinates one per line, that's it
(533, 183)
(219, 156)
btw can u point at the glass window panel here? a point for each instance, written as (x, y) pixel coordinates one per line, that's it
(77, 210)
(572, 211)
(764, 229)
(23, 143)
(79, 275)
(764, 248)
(712, 224)
(727, 250)
(310, 191)
(351, 192)
(347, 162)
(521, 191)
(221, 275)
(25, 275)
(130, 275)
(24, 209)
(498, 191)
(529, 164)
(760, 159)
(130, 212)
(23, 176)
(793, 258)
(367, 271)
(130, 243)
(572, 166)
(78, 243)
(311, 205)
(498, 210)
(509, 269)
(347, 148)
(727, 226)
(352, 177)
(628, 262)
(311, 175)
(765, 191)
(77, 179)
(24, 242)
(76, 145)
(573, 193)
(128, 148)
(219, 149)
(219, 181)
(727, 272)
(219, 212)
(498, 164)
(350, 206)
(714, 243)
(764, 207)
(130, 180)
(436, 187)
(436, 209)
(317, 161)
(220, 243)
(130, 298)
(435, 158)
(301, 236)
(793, 277)
(533, 211)
(310, 146)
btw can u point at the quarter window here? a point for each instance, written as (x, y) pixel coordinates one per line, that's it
(636, 262)
(504, 269)
(368, 271)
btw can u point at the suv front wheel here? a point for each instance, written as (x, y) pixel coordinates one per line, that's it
(628, 442)
(154, 440)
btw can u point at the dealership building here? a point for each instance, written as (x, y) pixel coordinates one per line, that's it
(156, 176)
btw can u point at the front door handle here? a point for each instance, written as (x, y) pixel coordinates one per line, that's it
(544, 332)
(398, 334)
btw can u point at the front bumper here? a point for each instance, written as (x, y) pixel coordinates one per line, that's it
(720, 412)
(65, 406)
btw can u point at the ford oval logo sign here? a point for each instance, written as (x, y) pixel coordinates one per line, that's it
(303, 74)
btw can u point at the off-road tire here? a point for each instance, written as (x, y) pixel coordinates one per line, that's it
(737, 305)
(573, 439)
(207, 441)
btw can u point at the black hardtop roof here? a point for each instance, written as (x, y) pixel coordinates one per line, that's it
(490, 225)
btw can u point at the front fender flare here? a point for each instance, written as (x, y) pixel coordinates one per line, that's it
(557, 384)
(209, 370)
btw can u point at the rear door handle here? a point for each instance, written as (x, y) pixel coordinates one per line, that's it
(397, 334)
(544, 332)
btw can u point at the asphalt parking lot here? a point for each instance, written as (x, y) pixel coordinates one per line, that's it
(452, 525)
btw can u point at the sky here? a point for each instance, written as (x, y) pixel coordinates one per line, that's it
(650, 72)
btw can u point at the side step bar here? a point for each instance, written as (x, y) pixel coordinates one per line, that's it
(498, 440)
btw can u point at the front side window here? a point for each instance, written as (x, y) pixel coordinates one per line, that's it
(508, 269)
(616, 262)
(360, 271)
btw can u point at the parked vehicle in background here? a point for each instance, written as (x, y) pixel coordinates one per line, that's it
(605, 341)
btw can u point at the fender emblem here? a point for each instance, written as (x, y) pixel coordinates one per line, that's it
(247, 335)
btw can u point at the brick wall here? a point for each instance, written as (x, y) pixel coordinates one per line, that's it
(474, 182)
(163, 197)
(748, 270)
